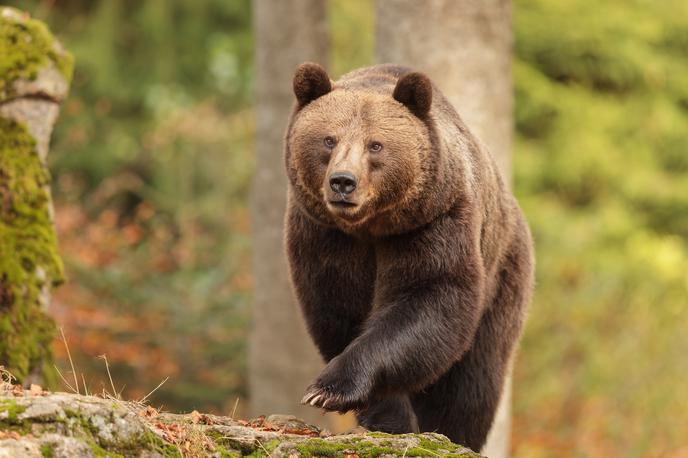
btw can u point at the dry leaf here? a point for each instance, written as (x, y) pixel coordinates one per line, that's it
(300, 431)
(148, 412)
(195, 417)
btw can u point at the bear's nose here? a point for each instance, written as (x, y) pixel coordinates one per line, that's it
(343, 182)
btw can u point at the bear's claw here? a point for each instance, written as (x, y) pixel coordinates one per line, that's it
(325, 399)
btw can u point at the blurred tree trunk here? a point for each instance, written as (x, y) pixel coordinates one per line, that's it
(465, 46)
(282, 359)
(34, 80)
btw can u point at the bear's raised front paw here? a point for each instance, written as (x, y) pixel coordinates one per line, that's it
(330, 398)
(335, 391)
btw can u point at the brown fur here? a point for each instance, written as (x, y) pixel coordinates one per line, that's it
(414, 285)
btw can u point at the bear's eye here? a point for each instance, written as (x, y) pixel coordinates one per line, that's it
(375, 147)
(330, 142)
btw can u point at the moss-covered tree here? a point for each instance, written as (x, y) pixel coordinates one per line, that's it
(34, 76)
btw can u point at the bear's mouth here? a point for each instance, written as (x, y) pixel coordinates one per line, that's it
(343, 203)
(340, 200)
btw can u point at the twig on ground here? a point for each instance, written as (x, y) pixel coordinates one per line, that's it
(112, 384)
(143, 400)
(71, 363)
(65, 380)
(236, 403)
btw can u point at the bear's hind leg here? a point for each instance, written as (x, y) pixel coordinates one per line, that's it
(463, 402)
(392, 415)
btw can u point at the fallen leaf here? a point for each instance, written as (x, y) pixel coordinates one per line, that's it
(195, 417)
(148, 412)
(300, 431)
(257, 422)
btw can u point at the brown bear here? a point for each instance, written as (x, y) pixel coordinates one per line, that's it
(409, 257)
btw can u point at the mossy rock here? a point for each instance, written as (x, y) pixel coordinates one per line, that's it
(68, 425)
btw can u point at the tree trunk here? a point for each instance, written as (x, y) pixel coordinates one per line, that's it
(465, 46)
(34, 79)
(282, 359)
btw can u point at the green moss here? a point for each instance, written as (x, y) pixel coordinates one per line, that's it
(263, 449)
(222, 446)
(378, 434)
(226, 453)
(153, 442)
(438, 446)
(84, 430)
(28, 254)
(11, 422)
(100, 452)
(26, 46)
(147, 441)
(322, 448)
(13, 410)
(47, 451)
(421, 452)
(223, 451)
(427, 447)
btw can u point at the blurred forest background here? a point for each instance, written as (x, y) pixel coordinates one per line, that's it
(152, 161)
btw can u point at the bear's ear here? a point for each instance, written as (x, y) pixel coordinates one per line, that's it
(310, 82)
(415, 91)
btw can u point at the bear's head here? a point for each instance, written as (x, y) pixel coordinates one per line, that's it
(360, 155)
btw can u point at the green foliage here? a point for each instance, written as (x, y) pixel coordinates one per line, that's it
(28, 254)
(600, 169)
(154, 145)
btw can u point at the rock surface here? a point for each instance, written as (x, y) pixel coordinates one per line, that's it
(43, 424)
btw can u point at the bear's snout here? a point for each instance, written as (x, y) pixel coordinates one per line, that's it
(343, 182)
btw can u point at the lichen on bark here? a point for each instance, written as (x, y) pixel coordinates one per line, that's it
(29, 260)
(26, 47)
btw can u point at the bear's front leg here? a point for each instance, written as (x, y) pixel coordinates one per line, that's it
(333, 277)
(428, 302)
